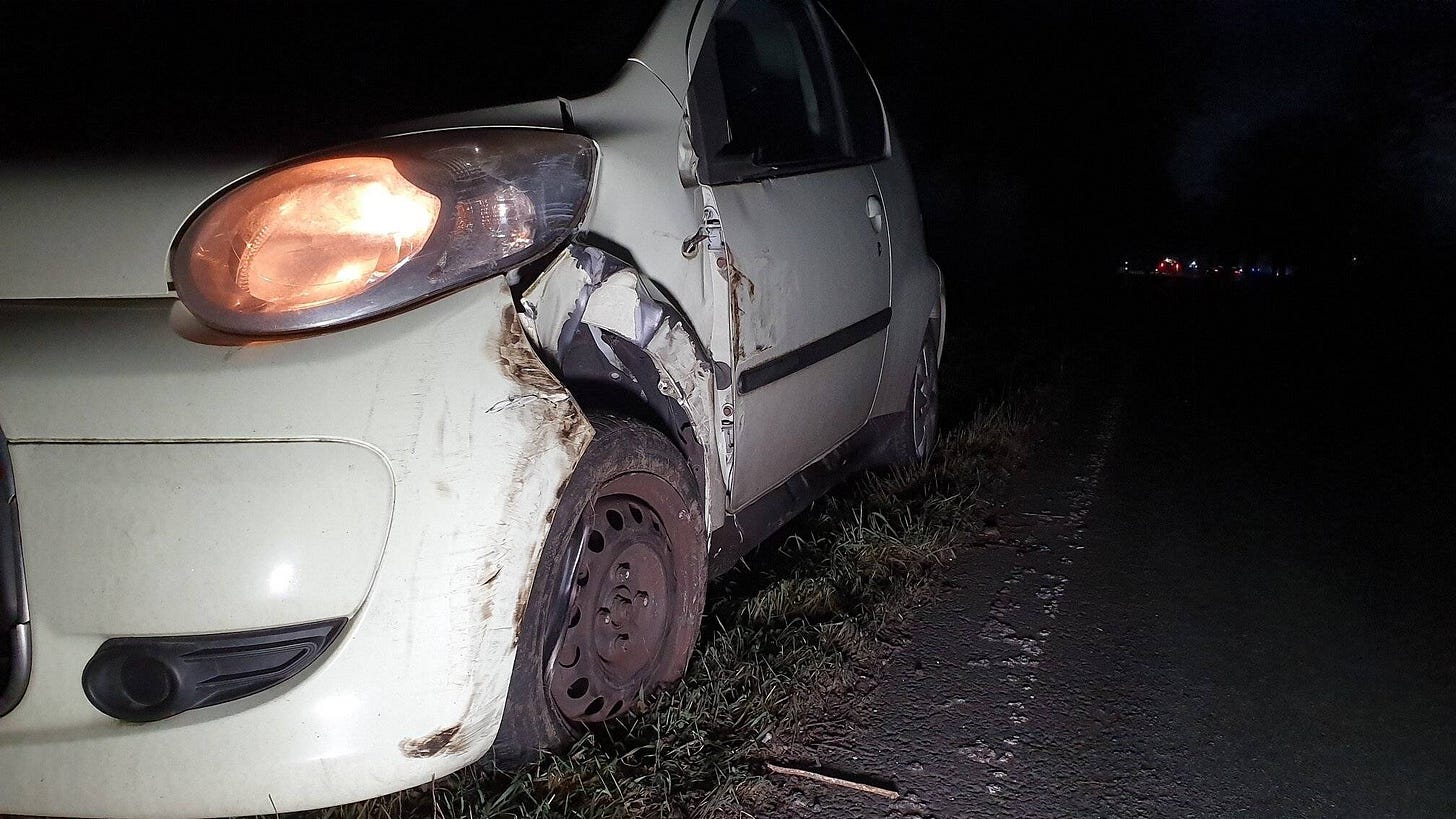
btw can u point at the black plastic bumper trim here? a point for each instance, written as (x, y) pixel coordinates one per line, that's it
(143, 679)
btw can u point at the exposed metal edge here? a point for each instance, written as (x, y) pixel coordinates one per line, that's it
(761, 375)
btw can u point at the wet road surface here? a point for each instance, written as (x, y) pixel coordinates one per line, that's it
(1222, 588)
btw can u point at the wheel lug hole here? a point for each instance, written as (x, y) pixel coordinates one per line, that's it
(642, 598)
(624, 572)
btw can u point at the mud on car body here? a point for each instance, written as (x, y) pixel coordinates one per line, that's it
(330, 476)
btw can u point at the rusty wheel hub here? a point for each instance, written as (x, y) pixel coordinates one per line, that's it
(620, 601)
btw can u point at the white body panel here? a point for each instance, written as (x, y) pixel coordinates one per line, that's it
(91, 230)
(917, 294)
(447, 399)
(223, 535)
(401, 473)
(796, 281)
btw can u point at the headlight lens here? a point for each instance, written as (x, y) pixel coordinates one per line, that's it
(320, 232)
(354, 233)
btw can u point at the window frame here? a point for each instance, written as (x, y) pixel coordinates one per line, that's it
(707, 109)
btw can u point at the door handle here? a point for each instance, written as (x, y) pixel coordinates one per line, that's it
(875, 210)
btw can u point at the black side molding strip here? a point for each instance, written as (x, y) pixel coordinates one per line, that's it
(761, 375)
(743, 530)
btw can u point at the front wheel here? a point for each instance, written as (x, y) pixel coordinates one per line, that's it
(618, 594)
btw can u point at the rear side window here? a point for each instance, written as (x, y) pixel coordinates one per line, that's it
(775, 86)
(777, 90)
(863, 111)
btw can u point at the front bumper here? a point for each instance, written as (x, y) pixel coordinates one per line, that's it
(401, 474)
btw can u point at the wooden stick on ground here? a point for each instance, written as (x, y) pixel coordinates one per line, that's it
(833, 780)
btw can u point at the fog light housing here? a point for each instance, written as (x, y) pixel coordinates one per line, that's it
(143, 679)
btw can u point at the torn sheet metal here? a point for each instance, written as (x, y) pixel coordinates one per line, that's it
(587, 288)
(584, 285)
(623, 305)
(688, 380)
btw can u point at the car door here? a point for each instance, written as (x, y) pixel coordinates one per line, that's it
(785, 125)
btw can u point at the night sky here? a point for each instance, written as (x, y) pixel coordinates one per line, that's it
(1057, 134)
(1050, 137)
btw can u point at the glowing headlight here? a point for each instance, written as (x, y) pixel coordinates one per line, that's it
(354, 233)
(332, 228)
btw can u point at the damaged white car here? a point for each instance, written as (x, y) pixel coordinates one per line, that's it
(331, 479)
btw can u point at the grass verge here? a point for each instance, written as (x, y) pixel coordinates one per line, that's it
(787, 634)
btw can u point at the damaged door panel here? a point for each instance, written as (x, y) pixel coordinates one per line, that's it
(803, 228)
(619, 343)
(808, 305)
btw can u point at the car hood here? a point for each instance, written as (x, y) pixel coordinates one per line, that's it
(84, 229)
(99, 229)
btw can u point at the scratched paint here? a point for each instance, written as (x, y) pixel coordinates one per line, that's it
(543, 422)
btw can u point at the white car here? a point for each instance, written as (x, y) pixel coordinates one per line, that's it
(422, 448)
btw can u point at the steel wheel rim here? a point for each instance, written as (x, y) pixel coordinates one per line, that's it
(619, 597)
(922, 404)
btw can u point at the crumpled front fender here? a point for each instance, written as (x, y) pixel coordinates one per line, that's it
(597, 318)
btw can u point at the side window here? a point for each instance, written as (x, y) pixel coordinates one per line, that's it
(863, 113)
(774, 93)
(775, 87)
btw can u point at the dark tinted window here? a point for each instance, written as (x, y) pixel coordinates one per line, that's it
(776, 90)
(861, 102)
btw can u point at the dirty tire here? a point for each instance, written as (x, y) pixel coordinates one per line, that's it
(618, 594)
(914, 438)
